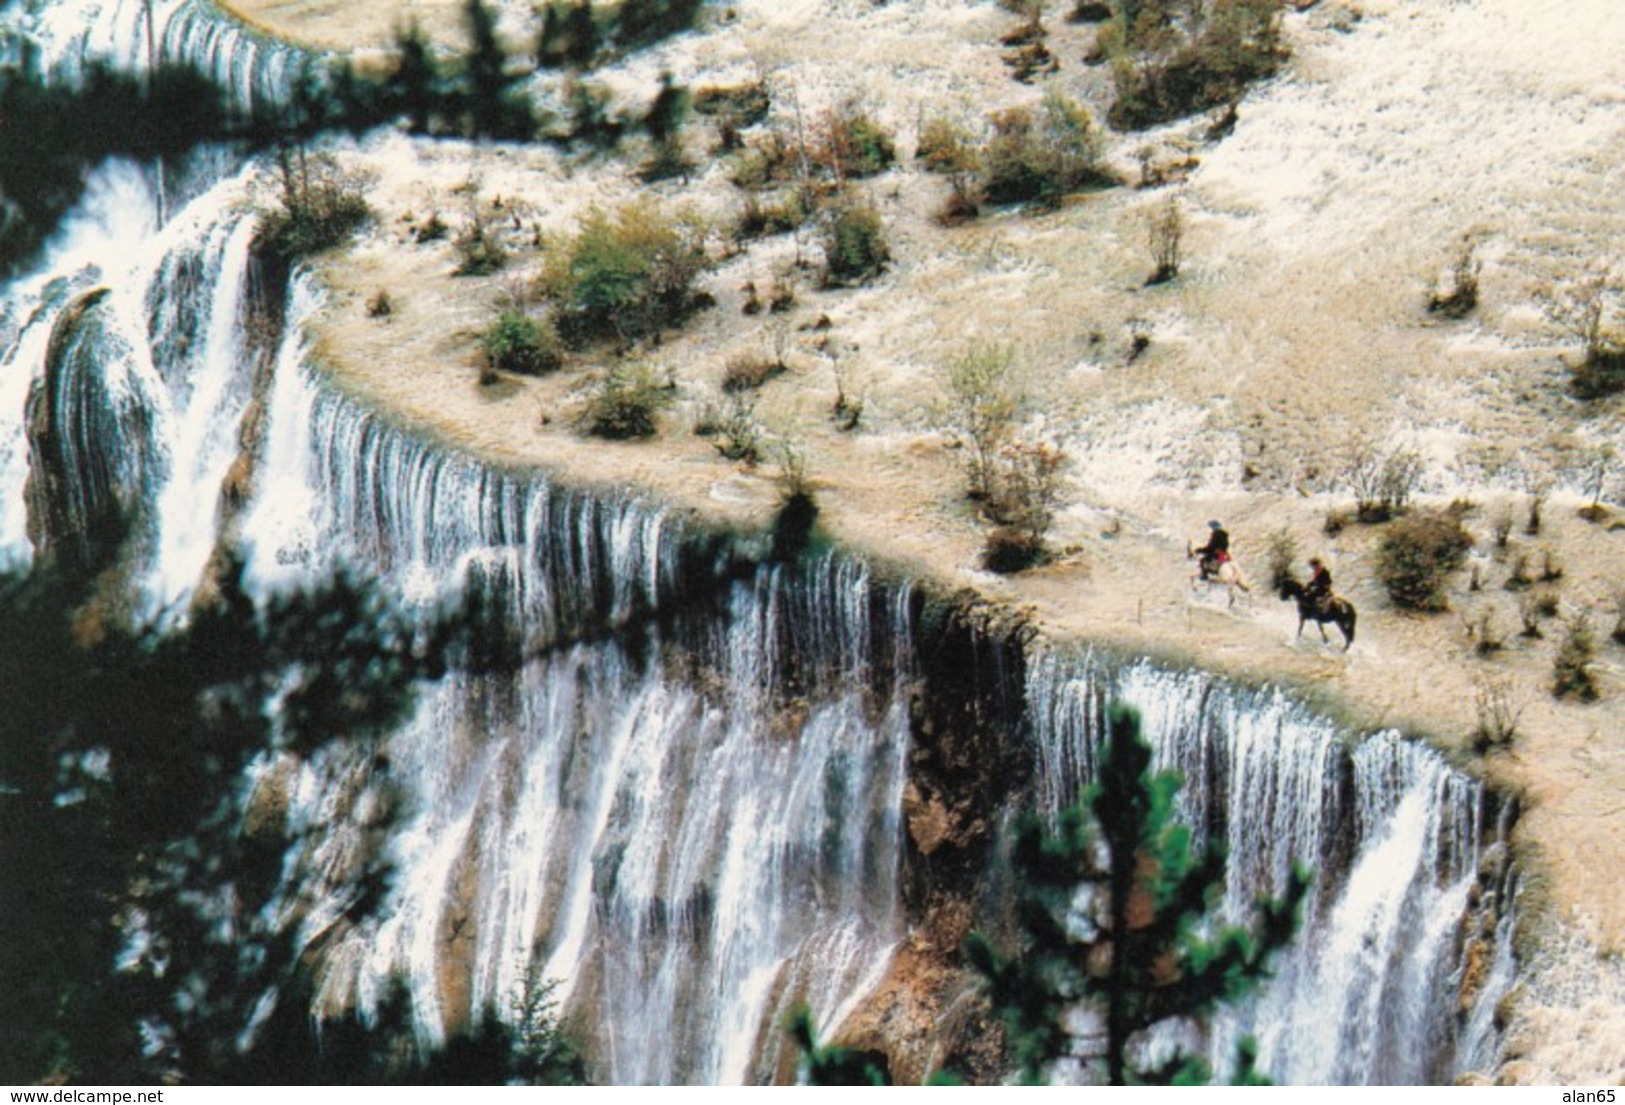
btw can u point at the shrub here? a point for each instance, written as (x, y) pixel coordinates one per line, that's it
(1619, 618)
(1461, 297)
(515, 342)
(945, 146)
(984, 397)
(1027, 485)
(319, 204)
(1498, 710)
(853, 145)
(748, 371)
(736, 105)
(1041, 159)
(626, 402)
(1586, 309)
(1165, 234)
(624, 276)
(1164, 68)
(734, 431)
(1417, 555)
(1382, 482)
(479, 253)
(855, 249)
(1010, 549)
(1282, 553)
(1572, 668)
(778, 214)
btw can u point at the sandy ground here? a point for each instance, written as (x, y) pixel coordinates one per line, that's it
(1295, 332)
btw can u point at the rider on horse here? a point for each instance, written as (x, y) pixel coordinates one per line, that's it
(1216, 553)
(1319, 588)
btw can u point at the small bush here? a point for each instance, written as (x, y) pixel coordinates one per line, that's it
(1619, 618)
(855, 249)
(737, 105)
(626, 403)
(1461, 297)
(764, 216)
(1383, 482)
(380, 305)
(479, 253)
(1165, 235)
(515, 342)
(1010, 549)
(318, 204)
(984, 397)
(1027, 486)
(1498, 709)
(1416, 557)
(624, 276)
(748, 371)
(1486, 635)
(1587, 309)
(1282, 552)
(853, 145)
(1501, 527)
(1042, 159)
(734, 431)
(946, 146)
(1520, 579)
(1573, 667)
(1164, 70)
(1529, 609)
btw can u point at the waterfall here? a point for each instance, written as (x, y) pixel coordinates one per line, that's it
(1369, 993)
(692, 823)
(254, 69)
(678, 788)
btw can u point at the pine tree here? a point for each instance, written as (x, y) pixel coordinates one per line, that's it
(1115, 909)
(139, 940)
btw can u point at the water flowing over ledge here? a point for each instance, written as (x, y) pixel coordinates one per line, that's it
(684, 792)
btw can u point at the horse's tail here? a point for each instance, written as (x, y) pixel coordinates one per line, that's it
(1354, 616)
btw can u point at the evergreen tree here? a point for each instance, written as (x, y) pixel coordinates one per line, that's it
(414, 88)
(494, 110)
(1115, 909)
(140, 939)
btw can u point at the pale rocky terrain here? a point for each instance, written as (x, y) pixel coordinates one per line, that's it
(1296, 331)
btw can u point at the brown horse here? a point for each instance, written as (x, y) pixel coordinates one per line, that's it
(1335, 609)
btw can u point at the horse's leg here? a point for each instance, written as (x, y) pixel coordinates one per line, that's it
(1320, 625)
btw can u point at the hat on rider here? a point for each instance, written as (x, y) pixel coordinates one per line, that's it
(1215, 524)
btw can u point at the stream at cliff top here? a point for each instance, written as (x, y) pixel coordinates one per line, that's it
(688, 813)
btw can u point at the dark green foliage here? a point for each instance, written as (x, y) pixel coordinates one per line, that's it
(855, 146)
(415, 89)
(1043, 158)
(626, 404)
(640, 23)
(319, 204)
(495, 108)
(1011, 549)
(835, 1066)
(624, 276)
(855, 249)
(570, 35)
(1146, 949)
(1171, 59)
(515, 342)
(51, 135)
(1416, 557)
(122, 756)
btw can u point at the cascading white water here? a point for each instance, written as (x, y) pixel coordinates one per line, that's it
(253, 69)
(1369, 992)
(685, 806)
(688, 853)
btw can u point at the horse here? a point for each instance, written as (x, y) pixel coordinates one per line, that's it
(1227, 575)
(1335, 609)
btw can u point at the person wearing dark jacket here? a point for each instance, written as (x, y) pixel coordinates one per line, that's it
(1216, 553)
(1319, 588)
